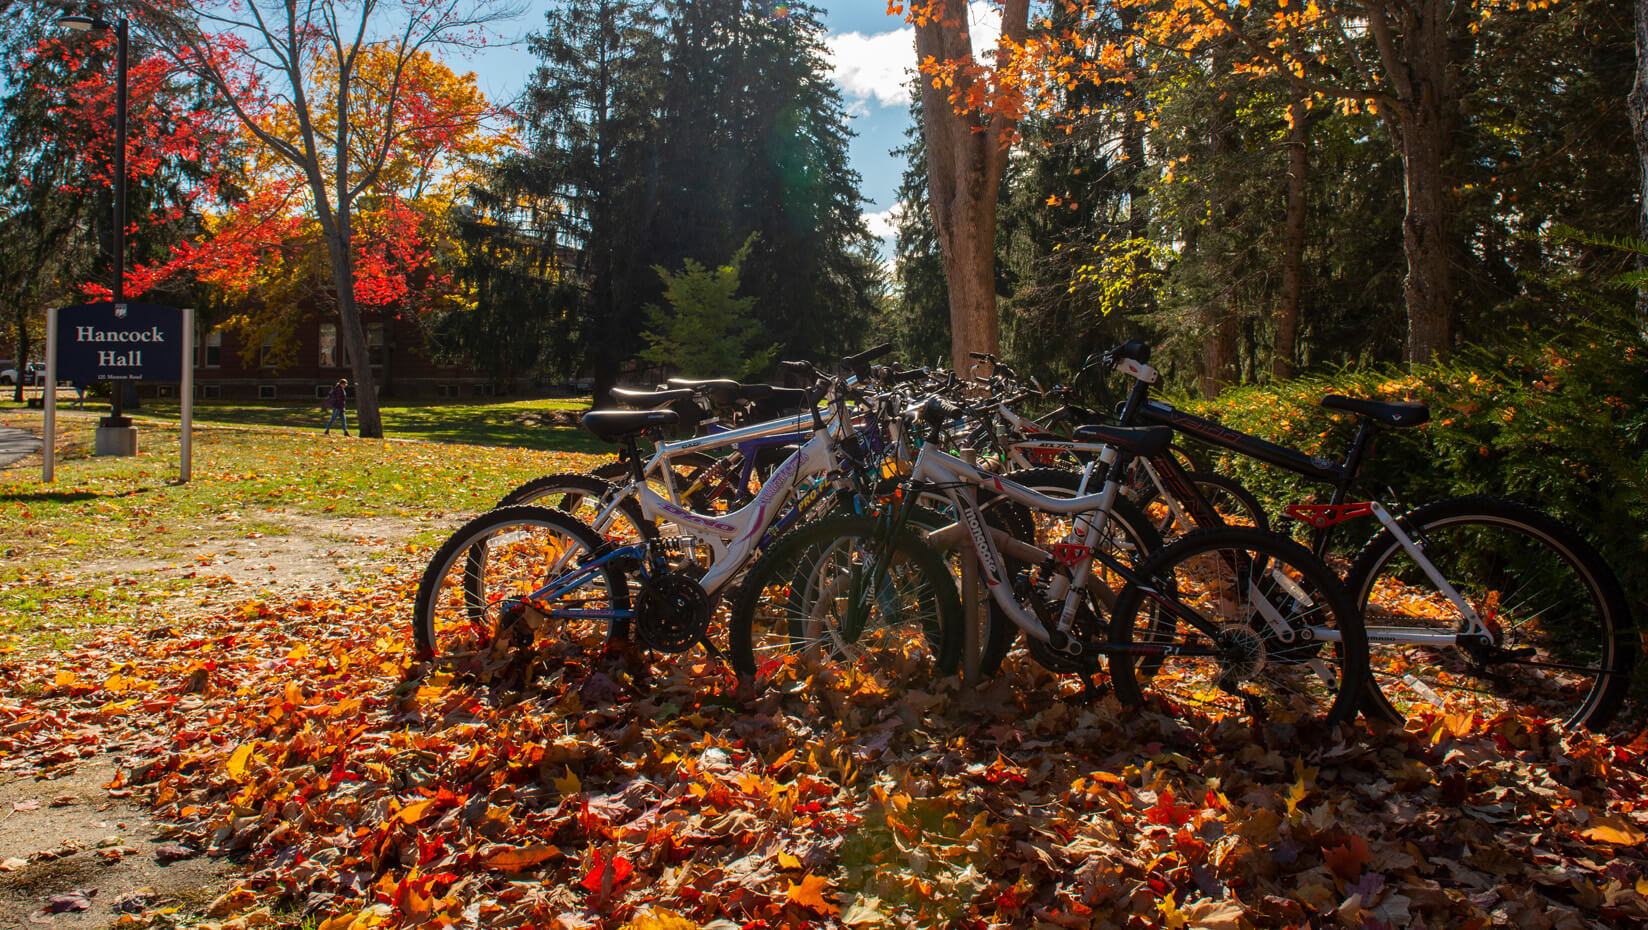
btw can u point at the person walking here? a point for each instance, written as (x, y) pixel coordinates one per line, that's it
(335, 401)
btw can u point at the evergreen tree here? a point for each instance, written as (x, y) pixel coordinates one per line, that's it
(706, 331)
(917, 320)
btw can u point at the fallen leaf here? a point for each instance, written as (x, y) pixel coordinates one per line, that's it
(810, 894)
(1613, 829)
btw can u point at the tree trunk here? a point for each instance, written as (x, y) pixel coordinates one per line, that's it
(966, 156)
(1415, 57)
(1425, 238)
(970, 272)
(1639, 129)
(1286, 349)
(368, 421)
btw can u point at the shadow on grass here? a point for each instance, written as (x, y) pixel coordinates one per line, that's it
(71, 497)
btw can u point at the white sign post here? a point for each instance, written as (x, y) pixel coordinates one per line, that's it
(48, 452)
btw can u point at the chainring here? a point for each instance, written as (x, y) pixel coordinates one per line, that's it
(672, 612)
(1087, 630)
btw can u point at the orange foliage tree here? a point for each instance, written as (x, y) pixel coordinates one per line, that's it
(332, 92)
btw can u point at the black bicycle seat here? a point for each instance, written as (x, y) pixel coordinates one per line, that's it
(1147, 441)
(616, 425)
(1384, 412)
(649, 399)
(711, 384)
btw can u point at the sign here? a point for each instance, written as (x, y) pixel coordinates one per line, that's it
(119, 342)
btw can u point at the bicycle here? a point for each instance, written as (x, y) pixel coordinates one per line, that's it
(1238, 619)
(1490, 600)
(530, 580)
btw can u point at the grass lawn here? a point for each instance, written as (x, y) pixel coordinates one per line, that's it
(520, 424)
(119, 538)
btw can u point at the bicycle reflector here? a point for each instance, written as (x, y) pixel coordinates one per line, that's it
(1322, 516)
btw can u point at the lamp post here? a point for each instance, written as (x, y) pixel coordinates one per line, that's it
(114, 420)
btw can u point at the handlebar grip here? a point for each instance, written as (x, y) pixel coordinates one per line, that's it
(938, 411)
(799, 368)
(867, 356)
(887, 375)
(982, 356)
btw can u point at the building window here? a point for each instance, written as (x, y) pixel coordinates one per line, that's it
(266, 352)
(374, 344)
(329, 355)
(211, 349)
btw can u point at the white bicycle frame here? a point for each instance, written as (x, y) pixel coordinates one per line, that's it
(732, 537)
(1092, 513)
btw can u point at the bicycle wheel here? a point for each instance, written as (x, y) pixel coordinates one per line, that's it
(1265, 630)
(1128, 537)
(835, 595)
(584, 497)
(1559, 645)
(478, 599)
(1234, 503)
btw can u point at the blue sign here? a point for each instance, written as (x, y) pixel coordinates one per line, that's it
(119, 342)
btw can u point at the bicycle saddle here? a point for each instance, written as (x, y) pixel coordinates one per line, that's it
(650, 399)
(616, 425)
(1389, 414)
(770, 400)
(711, 384)
(1147, 441)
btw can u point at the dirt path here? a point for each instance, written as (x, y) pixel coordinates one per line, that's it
(72, 855)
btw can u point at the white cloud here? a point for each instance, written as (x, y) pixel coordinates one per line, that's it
(884, 225)
(874, 67)
(878, 67)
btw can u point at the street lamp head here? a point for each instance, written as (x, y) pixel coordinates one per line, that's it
(83, 23)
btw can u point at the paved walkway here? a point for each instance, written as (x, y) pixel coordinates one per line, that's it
(15, 444)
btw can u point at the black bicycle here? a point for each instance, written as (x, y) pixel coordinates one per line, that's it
(1469, 603)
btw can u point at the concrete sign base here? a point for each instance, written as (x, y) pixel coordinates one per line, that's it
(115, 440)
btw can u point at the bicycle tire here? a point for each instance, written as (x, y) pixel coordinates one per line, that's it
(582, 497)
(1543, 586)
(1233, 502)
(787, 620)
(1226, 577)
(477, 573)
(1129, 537)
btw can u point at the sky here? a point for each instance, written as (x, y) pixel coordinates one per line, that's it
(872, 54)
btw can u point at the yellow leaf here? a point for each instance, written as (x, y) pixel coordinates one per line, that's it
(787, 861)
(1613, 829)
(660, 919)
(1172, 917)
(568, 785)
(237, 762)
(65, 679)
(810, 894)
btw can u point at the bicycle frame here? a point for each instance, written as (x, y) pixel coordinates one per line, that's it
(1341, 475)
(958, 481)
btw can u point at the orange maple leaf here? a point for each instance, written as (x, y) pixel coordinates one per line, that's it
(810, 894)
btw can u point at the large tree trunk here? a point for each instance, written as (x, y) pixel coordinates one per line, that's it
(1285, 350)
(1414, 50)
(1639, 128)
(966, 155)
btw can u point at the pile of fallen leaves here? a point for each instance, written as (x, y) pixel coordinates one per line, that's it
(360, 792)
